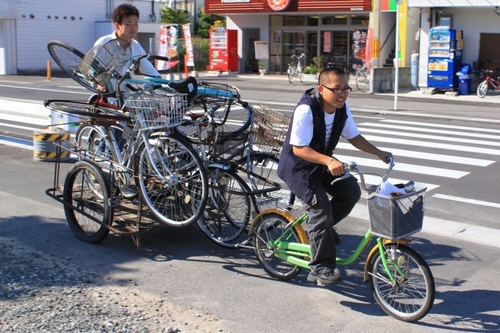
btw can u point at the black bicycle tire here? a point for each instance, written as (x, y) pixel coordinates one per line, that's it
(77, 221)
(219, 223)
(292, 73)
(261, 236)
(68, 59)
(86, 109)
(392, 295)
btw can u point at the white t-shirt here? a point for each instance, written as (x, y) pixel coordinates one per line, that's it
(302, 126)
(145, 66)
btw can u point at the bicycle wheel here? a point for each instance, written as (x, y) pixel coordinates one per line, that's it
(482, 89)
(268, 227)
(177, 196)
(265, 166)
(228, 211)
(85, 109)
(68, 59)
(91, 142)
(361, 81)
(413, 294)
(292, 73)
(87, 205)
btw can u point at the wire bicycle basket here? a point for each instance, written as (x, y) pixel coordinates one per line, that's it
(105, 63)
(151, 112)
(269, 129)
(397, 217)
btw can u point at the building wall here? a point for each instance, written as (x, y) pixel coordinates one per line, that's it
(36, 25)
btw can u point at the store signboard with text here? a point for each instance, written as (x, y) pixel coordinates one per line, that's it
(259, 6)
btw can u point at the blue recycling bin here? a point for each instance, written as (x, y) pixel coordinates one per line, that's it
(464, 80)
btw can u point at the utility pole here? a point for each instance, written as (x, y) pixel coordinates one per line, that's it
(396, 63)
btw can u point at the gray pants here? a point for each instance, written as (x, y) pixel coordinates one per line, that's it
(326, 213)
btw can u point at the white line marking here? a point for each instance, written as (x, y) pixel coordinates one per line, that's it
(413, 168)
(461, 128)
(426, 156)
(424, 136)
(432, 130)
(434, 145)
(467, 232)
(469, 201)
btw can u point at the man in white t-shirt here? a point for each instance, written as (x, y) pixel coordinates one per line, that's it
(126, 22)
(308, 167)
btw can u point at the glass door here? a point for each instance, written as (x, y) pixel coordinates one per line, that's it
(335, 48)
(293, 43)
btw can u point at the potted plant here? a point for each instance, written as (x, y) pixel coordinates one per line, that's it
(262, 67)
(310, 73)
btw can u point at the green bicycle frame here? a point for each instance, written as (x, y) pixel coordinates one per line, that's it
(299, 254)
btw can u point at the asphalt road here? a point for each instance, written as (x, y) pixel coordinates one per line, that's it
(186, 269)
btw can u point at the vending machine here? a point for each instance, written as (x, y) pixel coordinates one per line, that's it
(223, 53)
(445, 57)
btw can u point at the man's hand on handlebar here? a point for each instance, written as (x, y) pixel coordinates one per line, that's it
(385, 156)
(336, 167)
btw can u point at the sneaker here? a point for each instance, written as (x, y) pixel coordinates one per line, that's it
(324, 279)
(336, 237)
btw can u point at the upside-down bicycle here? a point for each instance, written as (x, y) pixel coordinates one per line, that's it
(401, 281)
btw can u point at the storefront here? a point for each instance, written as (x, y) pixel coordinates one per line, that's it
(333, 32)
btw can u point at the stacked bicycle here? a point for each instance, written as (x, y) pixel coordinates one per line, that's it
(128, 153)
(401, 280)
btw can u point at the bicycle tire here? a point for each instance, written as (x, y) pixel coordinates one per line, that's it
(189, 129)
(68, 59)
(181, 197)
(361, 81)
(228, 211)
(413, 296)
(86, 189)
(292, 73)
(482, 89)
(91, 143)
(85, 109)
(267, 227)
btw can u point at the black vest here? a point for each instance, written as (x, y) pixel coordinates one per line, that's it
(300, 175)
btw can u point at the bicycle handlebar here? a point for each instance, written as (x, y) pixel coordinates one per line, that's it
(352, 167)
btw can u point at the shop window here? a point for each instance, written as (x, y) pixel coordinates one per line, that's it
(294, 21)
(275, 21)
(312, 21)
(360, 20)
(334, 20)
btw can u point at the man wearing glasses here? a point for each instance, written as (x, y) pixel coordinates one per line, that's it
(308, 167)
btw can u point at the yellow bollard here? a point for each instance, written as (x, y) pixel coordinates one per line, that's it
(44, 148)
(49, 70)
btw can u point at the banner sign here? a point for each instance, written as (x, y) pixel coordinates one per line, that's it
(186, 31)
(168, 47)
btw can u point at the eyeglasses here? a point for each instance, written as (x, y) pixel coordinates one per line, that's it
(339, 90)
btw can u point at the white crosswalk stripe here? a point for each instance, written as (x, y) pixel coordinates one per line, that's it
(435, 151)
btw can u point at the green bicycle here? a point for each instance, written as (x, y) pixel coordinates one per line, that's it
(400, 279)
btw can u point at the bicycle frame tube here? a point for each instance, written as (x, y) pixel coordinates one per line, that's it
(380, 247)
(296, 252)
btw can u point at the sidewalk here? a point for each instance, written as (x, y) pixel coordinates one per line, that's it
(428, 93)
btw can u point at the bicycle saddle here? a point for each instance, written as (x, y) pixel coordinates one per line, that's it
(188, 86)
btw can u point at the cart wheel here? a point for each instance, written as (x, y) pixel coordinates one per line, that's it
(86, 202)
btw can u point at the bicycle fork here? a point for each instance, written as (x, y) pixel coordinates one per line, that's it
(389, 258)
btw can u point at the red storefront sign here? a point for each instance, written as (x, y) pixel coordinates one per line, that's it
(273, 6)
